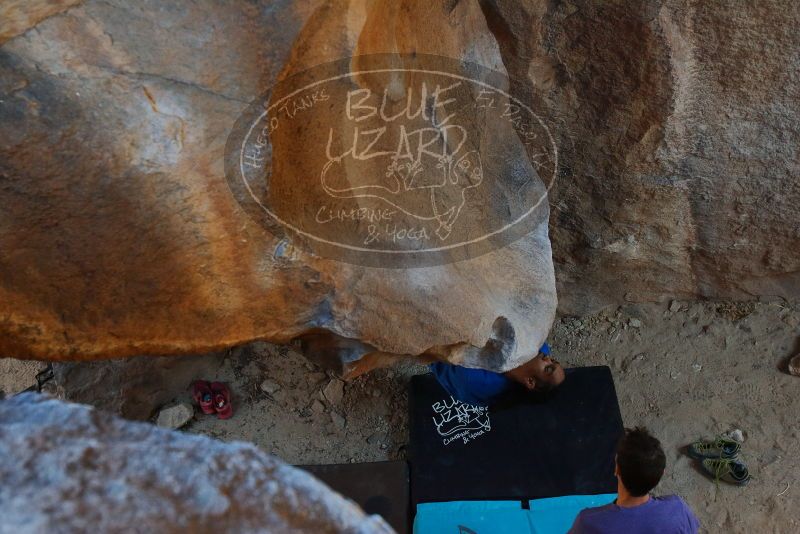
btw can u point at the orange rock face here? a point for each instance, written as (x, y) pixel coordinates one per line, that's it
(125, 238)
(123, 233)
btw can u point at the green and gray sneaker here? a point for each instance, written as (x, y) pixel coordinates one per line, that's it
(721, 447)
(730, 471)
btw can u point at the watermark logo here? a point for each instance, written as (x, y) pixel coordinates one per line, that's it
(393, 161)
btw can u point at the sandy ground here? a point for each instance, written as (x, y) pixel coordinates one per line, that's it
(700, 371)
(685, 370)
(16, 375)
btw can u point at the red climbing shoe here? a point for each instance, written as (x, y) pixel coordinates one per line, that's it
(222, 400)
(202, 394)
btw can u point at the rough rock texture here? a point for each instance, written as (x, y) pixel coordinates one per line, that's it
(124, 238)
(132, 387)
(678, 144)
(676, 124)
(794, 365)
(70, 468)
(175, 416)
(20, 15)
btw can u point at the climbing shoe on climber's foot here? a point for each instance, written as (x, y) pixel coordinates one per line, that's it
(724, 448)
(730, 471)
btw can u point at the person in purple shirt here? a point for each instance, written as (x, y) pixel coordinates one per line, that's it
(640, 464)
(481, 388)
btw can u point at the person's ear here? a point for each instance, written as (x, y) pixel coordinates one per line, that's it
(616, 467)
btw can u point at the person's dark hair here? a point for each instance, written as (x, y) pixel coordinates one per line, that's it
(640, 460)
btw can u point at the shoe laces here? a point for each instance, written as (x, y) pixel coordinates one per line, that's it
(719, 443)
(727, 465)
(719, 466)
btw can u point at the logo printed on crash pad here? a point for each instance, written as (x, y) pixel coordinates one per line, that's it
(459, 422)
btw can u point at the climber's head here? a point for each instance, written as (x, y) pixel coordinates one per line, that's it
(542, 373)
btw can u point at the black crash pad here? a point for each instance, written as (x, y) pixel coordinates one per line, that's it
(378, 487)
(524, 448)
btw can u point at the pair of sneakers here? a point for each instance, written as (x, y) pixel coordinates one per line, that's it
(213, 397)
(720, 459)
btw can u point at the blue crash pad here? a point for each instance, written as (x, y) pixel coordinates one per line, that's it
(471, 517)
(553, 515)
(556, 514)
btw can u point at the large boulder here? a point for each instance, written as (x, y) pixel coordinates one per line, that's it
(674, 124)
(125, 238)
(678, 143)
(71, 468)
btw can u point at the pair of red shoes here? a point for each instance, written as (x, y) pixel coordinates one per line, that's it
(214, 397)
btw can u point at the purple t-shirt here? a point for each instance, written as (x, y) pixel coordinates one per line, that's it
(659, 515)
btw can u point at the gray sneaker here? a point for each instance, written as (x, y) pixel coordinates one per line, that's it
(721, 447)
(730, 471)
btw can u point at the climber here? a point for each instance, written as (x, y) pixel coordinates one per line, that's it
(640, 462)
(481, 388)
